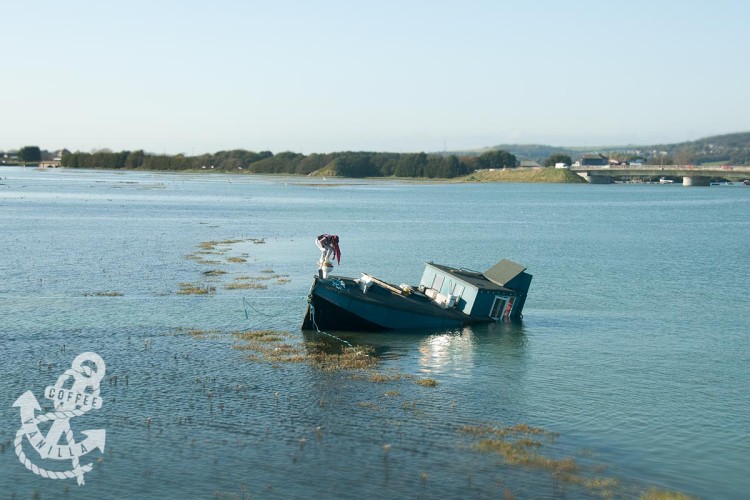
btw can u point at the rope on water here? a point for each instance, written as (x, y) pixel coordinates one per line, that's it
(245, 304)
(312, 317)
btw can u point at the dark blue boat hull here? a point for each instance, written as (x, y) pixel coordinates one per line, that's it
(338, 303)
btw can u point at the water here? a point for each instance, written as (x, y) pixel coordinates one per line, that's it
(633, 350)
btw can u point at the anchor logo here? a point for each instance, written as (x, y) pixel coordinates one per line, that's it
(80, 398)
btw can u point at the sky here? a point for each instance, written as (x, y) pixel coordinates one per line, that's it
(198, 77)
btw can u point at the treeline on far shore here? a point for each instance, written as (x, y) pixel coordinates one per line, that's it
(345, 164)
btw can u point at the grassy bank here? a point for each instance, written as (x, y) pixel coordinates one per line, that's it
(558, 175)
(550, 175)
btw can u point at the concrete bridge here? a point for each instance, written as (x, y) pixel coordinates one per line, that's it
(692, 175)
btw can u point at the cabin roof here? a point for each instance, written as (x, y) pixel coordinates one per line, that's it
(503, 272)
(474, 278)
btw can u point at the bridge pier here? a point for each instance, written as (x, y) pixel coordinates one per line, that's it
(596, 179)
(694, 180)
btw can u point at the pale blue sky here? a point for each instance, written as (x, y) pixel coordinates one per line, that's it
(193, 77)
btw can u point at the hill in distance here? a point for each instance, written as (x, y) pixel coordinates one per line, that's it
(733, 149)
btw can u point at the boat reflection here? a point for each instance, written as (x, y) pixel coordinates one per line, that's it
(455, 352)
(447, 351)
(452, 351)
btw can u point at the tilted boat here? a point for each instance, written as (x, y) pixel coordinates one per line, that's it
(446, 297)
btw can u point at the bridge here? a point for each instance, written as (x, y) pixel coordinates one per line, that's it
(692, 175)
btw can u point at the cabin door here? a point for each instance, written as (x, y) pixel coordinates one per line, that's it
(498, 307)
(509, 307)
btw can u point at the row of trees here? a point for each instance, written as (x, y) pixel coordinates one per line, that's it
(558, 158)
(733, 149)
(347, 164)
(30, 154)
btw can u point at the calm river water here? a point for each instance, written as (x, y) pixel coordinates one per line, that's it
(632, 362)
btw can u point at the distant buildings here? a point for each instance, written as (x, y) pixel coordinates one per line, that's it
(594, 160)
(8, 157)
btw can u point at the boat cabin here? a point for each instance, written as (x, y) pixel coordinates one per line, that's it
(499, 292)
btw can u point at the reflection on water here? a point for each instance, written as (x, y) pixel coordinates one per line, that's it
(454, 352)
(439, 353)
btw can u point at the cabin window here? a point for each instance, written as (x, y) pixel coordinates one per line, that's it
(458, 290)
(437, 283)
(498, 306)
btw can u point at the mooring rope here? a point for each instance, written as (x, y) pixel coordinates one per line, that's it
(312, 317)
(245, 303)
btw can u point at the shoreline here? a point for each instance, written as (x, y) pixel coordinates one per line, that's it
(526, 175)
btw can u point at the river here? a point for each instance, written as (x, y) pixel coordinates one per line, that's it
(628, 373)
